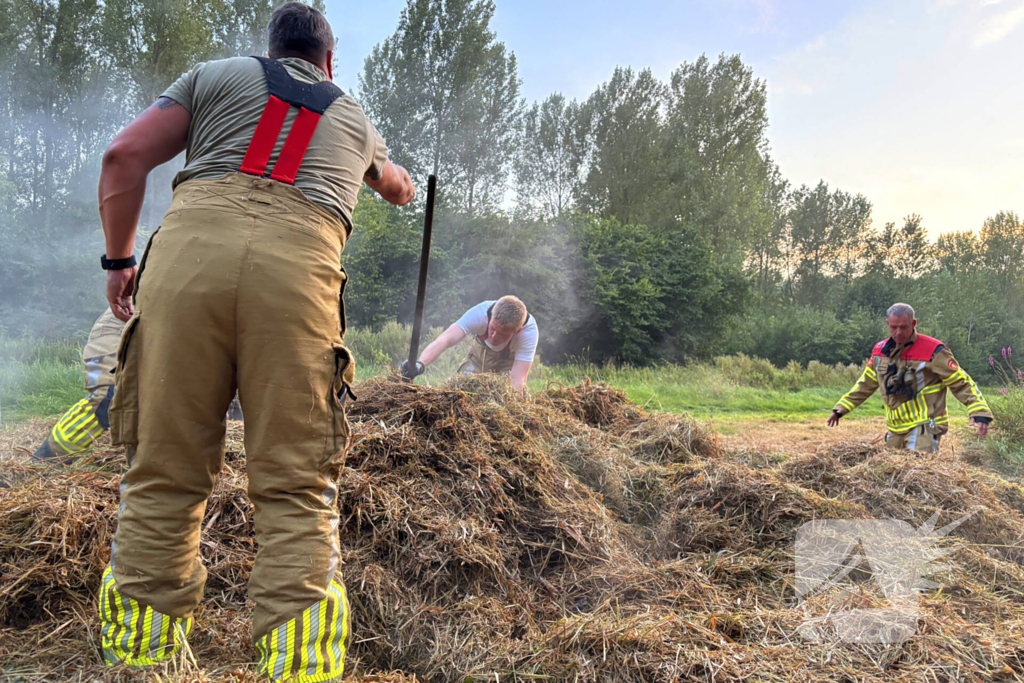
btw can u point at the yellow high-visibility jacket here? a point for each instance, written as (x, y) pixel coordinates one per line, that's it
(936, 371)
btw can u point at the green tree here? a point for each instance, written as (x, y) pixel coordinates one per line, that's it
(49, 67)
(156, 41)
(1002, 239)
(445, 95)
(966, 311)
(719, 176)
(903, 253)
(770, 247)
(625, 174)
(382, 259)
(826, 229)
(553, 156)
(958, 252)
(651, 293)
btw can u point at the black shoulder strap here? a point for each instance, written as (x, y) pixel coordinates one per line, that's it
(315, 97)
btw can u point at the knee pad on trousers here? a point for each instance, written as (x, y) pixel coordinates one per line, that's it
(311, 647)
(133, 633)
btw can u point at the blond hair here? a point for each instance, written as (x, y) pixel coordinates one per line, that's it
(509, 312)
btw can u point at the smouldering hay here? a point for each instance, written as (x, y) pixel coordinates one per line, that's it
(662, 438)
(457, 520)
(54, 531)
(912, 487)
(627, 486)
(597, 405)
(1009, 494)
(569, 537)
(685, 529)
(759, 509)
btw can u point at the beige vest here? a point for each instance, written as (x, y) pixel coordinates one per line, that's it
(482, 358)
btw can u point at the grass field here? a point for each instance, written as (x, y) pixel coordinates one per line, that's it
(706, 391)
(43, 380)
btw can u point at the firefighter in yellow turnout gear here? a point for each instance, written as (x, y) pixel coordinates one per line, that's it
(914, 372)
(241, 285)
(88, 419)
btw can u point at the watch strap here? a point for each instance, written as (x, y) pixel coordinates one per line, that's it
(117, 263)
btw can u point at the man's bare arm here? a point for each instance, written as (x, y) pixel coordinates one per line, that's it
(155, 137)
(449, 338)
(519, 373)
(394, 185)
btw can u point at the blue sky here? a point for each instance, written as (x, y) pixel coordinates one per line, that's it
(915, 103)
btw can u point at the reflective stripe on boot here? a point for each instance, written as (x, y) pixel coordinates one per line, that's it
(310, 647)
(133, 633)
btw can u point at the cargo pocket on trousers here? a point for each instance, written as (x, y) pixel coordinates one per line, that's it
(341, 394)
(124, 407)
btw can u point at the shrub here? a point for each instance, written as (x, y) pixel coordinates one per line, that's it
(748, 371)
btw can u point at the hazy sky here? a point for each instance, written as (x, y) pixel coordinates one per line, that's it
(917, 104)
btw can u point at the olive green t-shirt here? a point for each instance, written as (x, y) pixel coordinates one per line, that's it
(226, 98)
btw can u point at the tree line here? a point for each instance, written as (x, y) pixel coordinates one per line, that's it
(72, 73)
(645, 222)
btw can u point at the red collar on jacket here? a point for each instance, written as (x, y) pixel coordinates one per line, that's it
(920, 348)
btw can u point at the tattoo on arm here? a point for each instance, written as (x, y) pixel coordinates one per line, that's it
(166, 103)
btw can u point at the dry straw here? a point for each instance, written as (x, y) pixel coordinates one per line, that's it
(571, 537)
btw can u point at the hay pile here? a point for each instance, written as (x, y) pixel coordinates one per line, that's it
(568, 537)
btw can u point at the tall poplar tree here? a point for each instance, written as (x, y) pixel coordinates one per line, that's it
(444, 93)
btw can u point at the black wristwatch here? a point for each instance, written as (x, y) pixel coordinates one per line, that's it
(117, 263)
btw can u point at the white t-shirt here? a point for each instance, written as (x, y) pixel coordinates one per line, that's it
(523, 344)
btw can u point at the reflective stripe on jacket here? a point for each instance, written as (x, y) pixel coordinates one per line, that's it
(935, 370)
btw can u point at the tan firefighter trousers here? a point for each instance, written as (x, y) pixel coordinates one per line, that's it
(240, 287)
(920, 438)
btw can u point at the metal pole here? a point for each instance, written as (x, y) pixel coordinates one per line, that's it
(421, 291)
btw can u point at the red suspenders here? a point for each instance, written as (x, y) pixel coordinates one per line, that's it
(312, 99)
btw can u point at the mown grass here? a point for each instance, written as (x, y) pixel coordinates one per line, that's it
(1006, 445)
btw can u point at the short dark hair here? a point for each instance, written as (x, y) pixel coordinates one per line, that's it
(295, 28)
